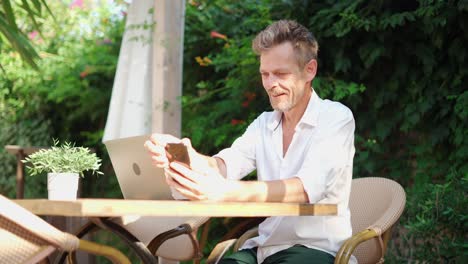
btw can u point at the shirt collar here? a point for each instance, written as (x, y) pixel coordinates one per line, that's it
(312, 111)
(310, 116)
(275, 120)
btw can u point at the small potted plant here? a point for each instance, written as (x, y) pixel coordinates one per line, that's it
(63, 164)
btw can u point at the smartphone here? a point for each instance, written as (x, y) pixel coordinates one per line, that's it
(178, 152)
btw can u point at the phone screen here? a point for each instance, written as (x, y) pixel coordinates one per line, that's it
(178, 152)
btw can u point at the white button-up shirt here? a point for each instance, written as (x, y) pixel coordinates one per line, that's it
(320, 154)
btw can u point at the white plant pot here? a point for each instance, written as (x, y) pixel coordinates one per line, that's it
(62, 186)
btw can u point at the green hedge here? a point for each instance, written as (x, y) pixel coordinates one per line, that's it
(401, 66)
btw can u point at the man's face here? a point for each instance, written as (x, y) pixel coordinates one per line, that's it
(284, 81)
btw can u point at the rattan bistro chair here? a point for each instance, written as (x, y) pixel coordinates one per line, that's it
(26, 238)
(376, 204)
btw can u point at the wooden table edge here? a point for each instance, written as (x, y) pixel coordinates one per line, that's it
(121, 207)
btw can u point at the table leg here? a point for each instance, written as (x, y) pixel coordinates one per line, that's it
(19, 175)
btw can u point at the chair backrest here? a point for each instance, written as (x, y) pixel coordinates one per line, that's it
(374, 203)
(26, 238)
(18, 246)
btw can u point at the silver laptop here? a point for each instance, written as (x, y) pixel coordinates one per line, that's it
(140, 179)
(137, 176)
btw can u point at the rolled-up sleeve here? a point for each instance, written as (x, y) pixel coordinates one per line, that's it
(240, 157)
(325, 171)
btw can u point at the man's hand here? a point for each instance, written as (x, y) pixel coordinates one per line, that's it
(207, 185)
(156, 147)
(203, 172)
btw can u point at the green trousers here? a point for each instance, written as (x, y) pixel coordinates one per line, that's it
(297, 254)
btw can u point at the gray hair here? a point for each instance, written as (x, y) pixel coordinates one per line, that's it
(302, 40)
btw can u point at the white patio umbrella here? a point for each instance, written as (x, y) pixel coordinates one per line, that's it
(149, 75)
(130, 105)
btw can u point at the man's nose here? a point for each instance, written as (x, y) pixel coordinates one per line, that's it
(270, 81)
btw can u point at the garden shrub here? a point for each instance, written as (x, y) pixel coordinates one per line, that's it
(436, 223)
(68, 97)
(400, 66)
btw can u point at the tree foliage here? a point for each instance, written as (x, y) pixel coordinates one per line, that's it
(12, 34)
(68, 97)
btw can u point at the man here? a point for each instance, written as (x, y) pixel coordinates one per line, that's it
(303, 152)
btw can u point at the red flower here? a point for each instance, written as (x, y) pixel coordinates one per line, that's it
(77, 4)
(245, 104)
(236, 122)
(87, 70)
(250, 96)
(33, 35)
(215, 34)
(83, 74)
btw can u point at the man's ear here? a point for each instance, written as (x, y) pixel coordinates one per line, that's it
(310, 70)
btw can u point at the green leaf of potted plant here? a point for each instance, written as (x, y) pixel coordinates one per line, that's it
(63, 164)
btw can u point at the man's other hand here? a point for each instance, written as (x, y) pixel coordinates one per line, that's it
(195, 185)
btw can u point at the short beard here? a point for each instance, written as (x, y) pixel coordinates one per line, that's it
(282, 107)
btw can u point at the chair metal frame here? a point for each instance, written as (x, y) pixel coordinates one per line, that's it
(147, 254)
